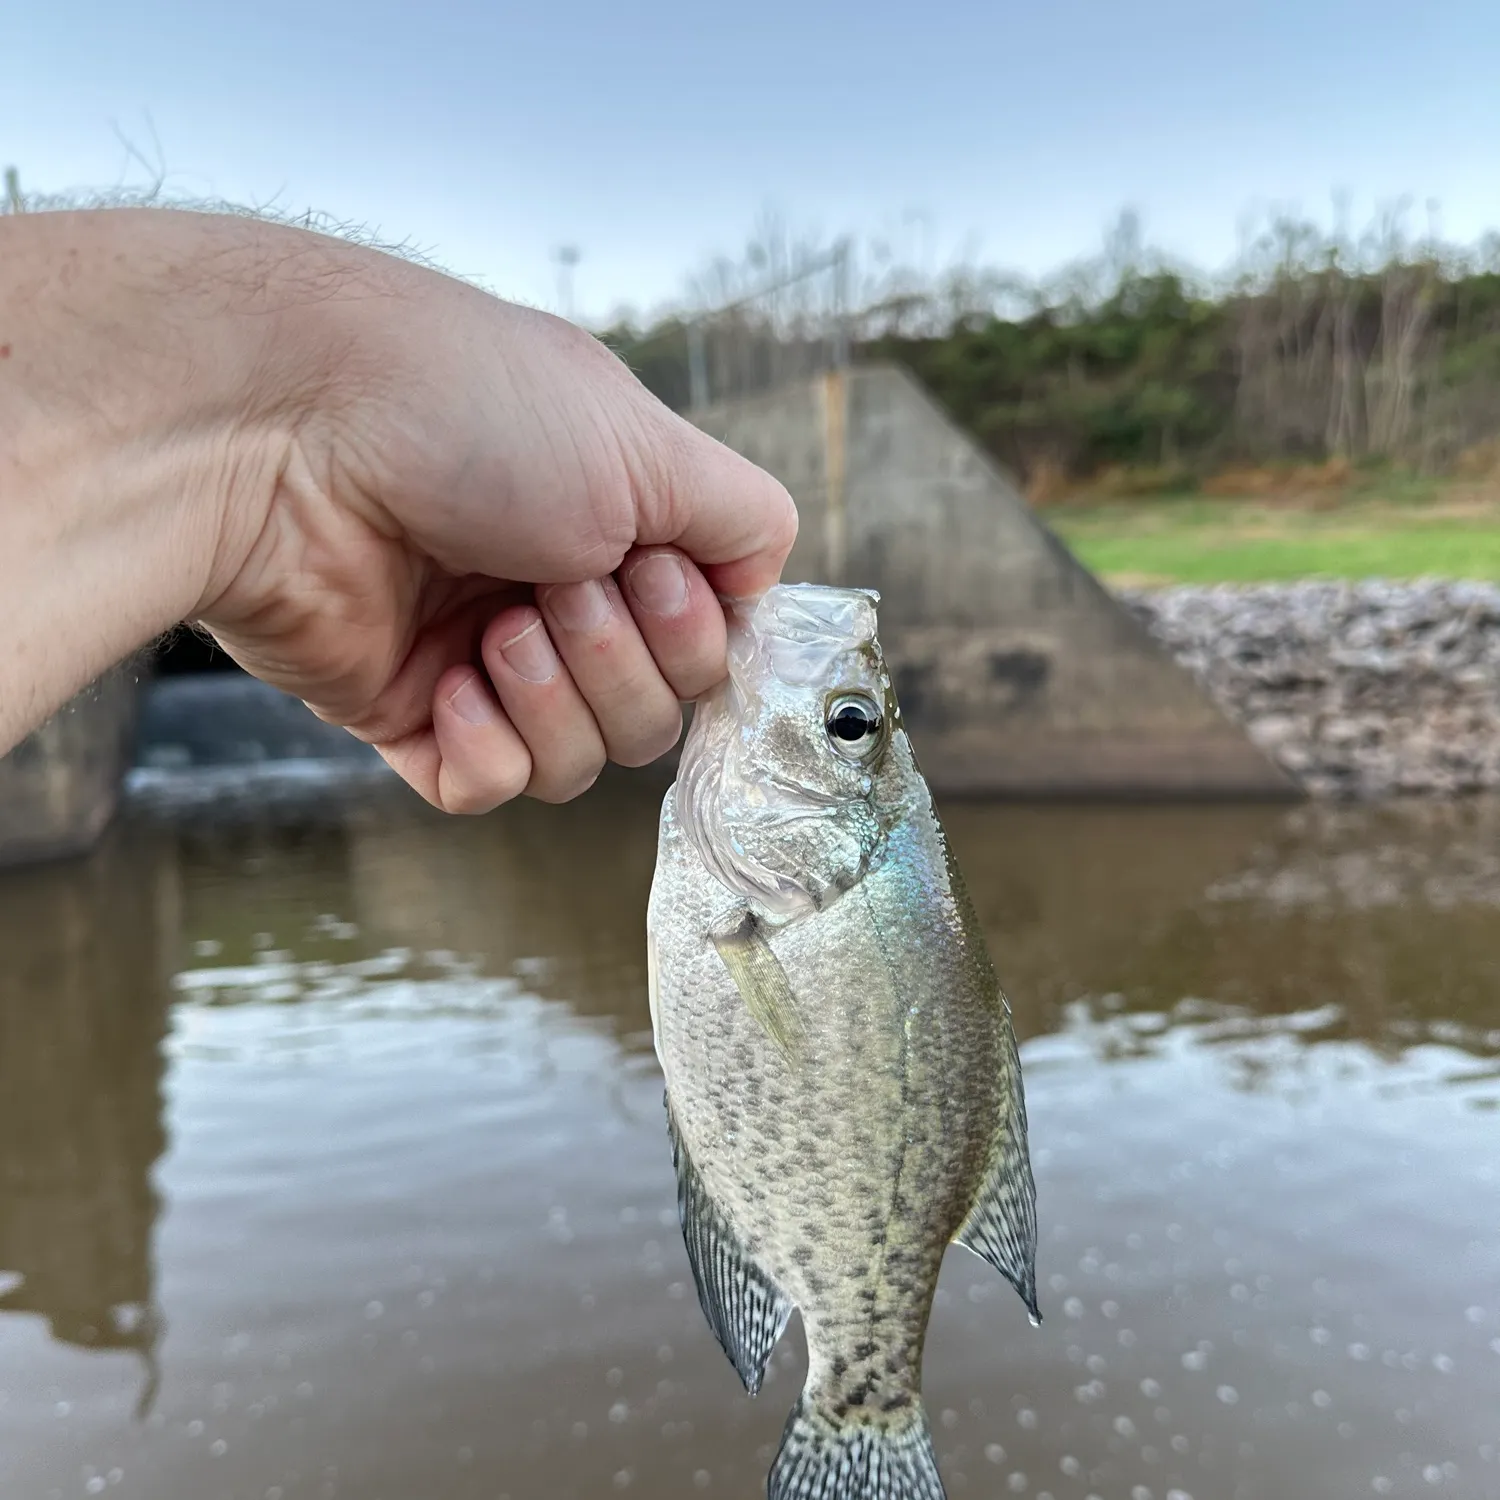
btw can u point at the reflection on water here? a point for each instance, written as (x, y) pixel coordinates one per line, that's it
(81, 1023)
(349, 1127)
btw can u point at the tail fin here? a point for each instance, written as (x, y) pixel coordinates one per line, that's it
(824, 1459)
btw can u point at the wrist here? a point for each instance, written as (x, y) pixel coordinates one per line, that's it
(137, 450)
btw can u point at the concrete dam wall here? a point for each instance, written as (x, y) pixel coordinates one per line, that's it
(1018, 673)
(59, 787)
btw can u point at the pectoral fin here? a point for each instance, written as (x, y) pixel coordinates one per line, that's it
(761, 981)
(1001, 1226)
(746, 1309)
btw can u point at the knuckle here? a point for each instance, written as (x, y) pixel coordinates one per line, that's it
(511, 782)
(506, 780)
(783, 520)
(692, 679)
(563, 784)
(463, 802)
(651, 739)
(564, 791)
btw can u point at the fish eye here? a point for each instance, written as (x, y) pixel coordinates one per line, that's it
(854, 724)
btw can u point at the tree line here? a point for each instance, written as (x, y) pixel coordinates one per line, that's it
(1317, 345)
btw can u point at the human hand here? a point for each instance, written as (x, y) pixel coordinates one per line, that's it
(458, 527)
(461, 450)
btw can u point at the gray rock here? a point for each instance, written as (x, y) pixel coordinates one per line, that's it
(1359, 690)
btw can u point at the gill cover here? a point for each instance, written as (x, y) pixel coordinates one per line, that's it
(778, 806)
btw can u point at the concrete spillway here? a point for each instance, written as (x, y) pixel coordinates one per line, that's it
(1018, 673)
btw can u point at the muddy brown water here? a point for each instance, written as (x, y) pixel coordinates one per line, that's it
(332, 1164)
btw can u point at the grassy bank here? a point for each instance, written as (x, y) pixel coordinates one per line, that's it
(1394, 531)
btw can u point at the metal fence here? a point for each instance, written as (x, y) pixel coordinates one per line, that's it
(795, 326)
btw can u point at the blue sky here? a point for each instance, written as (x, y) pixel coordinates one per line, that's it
(652, 132)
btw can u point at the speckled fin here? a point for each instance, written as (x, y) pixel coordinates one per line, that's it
(1001, 1226)
(746, 1309)
(823, 1459)
(761, 981)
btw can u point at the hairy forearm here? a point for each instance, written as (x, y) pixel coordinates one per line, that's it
(138, 360)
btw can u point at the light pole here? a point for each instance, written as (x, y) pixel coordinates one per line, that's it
(567, 258)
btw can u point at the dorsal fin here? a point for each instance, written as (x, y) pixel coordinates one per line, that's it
(1001, 1226)
(747, 1311)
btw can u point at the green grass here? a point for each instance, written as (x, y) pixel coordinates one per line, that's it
(1190, 540)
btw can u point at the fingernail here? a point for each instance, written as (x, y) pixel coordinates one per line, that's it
(530, 654)
(579, 606)
(471, 702)
(658, 583)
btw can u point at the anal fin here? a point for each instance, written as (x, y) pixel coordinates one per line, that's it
(1001, 1225)
(747, 1311)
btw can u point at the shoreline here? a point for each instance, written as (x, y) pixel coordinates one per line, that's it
(1360, 691)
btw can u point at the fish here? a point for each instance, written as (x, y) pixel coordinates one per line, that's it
(842, 1084)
